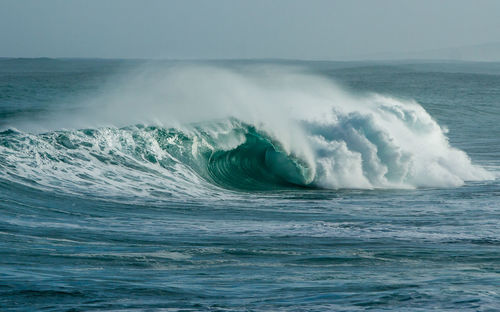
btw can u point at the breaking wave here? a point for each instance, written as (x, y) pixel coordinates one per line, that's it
(202, 131)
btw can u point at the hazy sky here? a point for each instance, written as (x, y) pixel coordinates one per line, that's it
(306, 29)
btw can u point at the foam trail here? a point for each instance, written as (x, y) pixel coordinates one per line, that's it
(266, 126)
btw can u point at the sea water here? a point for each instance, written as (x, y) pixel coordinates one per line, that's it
(130, 185)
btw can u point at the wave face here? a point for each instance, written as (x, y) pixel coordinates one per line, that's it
(220, 129)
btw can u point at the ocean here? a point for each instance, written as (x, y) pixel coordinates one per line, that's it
(249, 185)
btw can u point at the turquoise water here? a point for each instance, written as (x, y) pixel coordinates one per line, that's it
(249, 186)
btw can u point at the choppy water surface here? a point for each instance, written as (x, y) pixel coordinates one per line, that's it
(249, 186)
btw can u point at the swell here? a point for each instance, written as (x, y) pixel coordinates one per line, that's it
(157, 162)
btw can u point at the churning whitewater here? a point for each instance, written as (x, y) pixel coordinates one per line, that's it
(197, 130)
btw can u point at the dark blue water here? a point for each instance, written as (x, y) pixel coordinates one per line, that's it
(100, 213)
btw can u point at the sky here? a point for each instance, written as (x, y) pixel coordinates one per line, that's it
(222, 29)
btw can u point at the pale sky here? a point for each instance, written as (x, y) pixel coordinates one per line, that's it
(184, 29)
